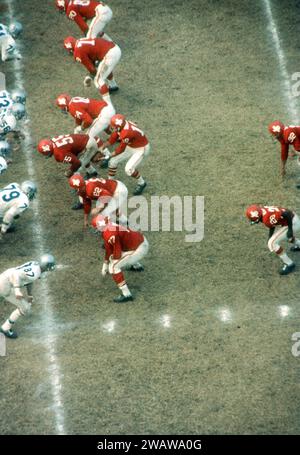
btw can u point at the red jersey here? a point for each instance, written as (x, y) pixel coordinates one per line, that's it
(272, 216)
(291, 136)
(95, 189)
(67, 147)
(130, 135)
(118, 238)
(85, 110)
(89, 50)
(79, 10)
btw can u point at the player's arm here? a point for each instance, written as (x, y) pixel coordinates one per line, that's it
(87, 206)
(87, 120)
(75, 164)
(271, 231)
(120, 149)
(9, 216)
(284, 157)
(74, 16)
(16, 282)
(288, 216)
(88, 63)
(29, 288)
(117, 249)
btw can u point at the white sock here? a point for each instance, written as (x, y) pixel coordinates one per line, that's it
(112, 83)
(140, 180)
(284, 257)
(123, 219)
(125, 290)
(11, 320)
(91, 169)
(106, 153)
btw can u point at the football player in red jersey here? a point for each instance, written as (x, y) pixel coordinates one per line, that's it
(100, 57)
(111, 196)
(286, 135)
(288, 224)
(133, 147)
(66, 148)
(91, 116)
(81, 11)
(124, 248)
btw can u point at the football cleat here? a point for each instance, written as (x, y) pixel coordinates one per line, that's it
(286, 269)
(137, 267)
(298, 186)
(139, 189)
(104, 163)
(123, 298)
(113, 89)
(295, 248)
(9, 333)
(77, 206)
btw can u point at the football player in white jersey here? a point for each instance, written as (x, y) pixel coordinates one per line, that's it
(3, 165)
(5, 101)
(13, 283)
(8, 46)
(9, 120)
(14, 199)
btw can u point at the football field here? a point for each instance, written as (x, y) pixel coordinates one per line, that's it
(206, 346)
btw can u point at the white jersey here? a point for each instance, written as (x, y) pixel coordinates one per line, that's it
(8, 123)
(12, 203)
(5, 101)
(7, 44)
(17, 277)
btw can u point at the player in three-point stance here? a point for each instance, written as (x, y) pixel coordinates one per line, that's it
(288, 224)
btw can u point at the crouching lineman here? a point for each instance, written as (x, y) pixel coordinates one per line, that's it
(288, 223)
(133, 147)
(111, 196)
(97, 13)
(13, 283)
(66, 149)
(14, 199)
(124, 248)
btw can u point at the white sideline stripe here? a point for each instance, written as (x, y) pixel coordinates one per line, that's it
(47, 313)
(287, 87)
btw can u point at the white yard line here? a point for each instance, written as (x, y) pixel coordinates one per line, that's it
(48, 321)
(287, 86)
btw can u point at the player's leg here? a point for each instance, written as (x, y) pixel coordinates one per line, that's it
(116, 160)
(105, 68)
(103, 16)
(274, 245)
(132, 165)
(118, 203)
(23, 307)
(296, 229)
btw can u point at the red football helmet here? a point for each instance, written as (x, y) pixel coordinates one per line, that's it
(45, 147)
(99, 222)
(117, 122)
(254, 213)
(62, 101)
(69, 44)
(77, 182)
(61, 5)
(276, 128)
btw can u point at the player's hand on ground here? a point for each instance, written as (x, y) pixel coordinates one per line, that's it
(87, 81)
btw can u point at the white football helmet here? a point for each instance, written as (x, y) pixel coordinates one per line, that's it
(47, 262)
(18, 96)
(29, 188)
(18, 110)
(15, 29)
(4, 148)
(3, 165)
